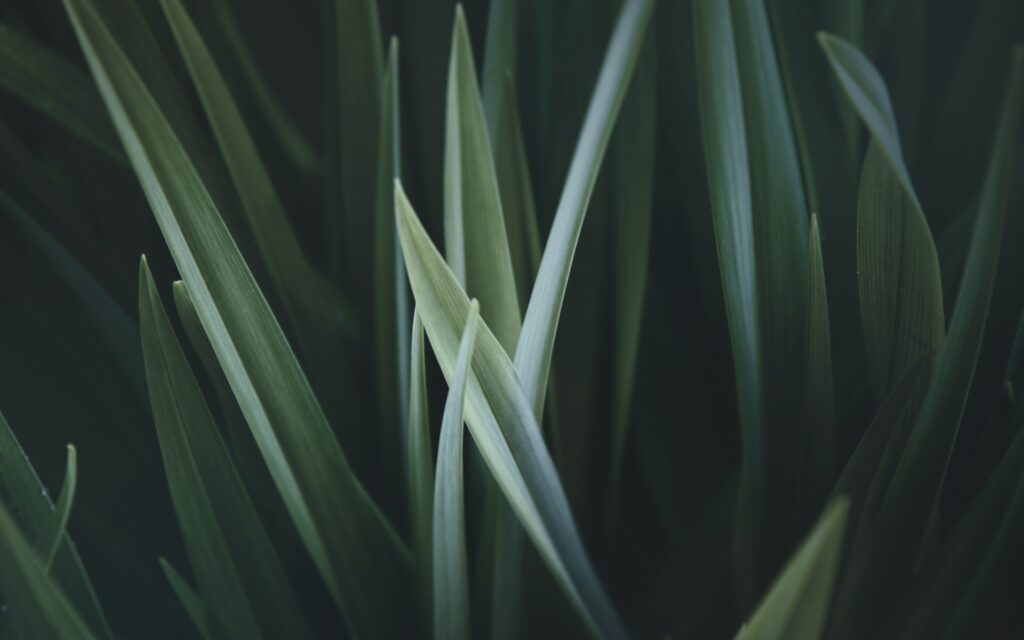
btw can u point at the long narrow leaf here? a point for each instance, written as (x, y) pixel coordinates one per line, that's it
(233, 559)
(190, 600)
(420, 467)
(359, 555)
(503, 424)
(451, 573)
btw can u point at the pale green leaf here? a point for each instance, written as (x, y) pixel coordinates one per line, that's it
(503, 425)
(355, 549)
(420, 467)
(450, 567)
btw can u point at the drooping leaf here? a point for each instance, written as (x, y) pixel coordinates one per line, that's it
(797, 603)
(190, 600)
(817, 444)
(420, 470)
(237, 570)
(57, 88)
(359, 555)
(451, 573)
(39, 608)
(912, 500)
(27, 503)
(536, 343)
(725, 152)
(503, 425)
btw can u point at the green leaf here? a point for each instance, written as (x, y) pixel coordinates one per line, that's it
(237, 570)
(503, 424)
(726, 157)
(391, 312)
(797, 604)
(537, 340)
(474, 226)
(632, 170)
(288, 134)
(57, 88)
(356, 551)
(39, 608)
(898, 278)
(312, 307)
(190, 600)
(53, 533)
(27, 503)
(420, 467)
(360, 71)
(499, 64)
(912, 499)
(451, 573)
(866, 91)
(817, 444)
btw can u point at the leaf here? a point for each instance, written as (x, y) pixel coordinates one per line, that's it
(53, 533)
(503, 425)
(420, 468)
(311, 306)
(234, 562)
(289, 136)
(898, 276)
(912, 499)
(797, 603)
(726, 157)
(451, 581)
(476, 246)
(817, 445)
(39, 608)
(57, 88)
(537, 339)
(391, 312)
(190, 600)
(866, 91)
(499, 64)
(360, 70)
(28, 505)
(361, 559)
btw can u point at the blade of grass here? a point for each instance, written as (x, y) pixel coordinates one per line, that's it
(28, 504)
(797, 603)
(356, 551)
(725, 151)
(39, 608)
(288, 134)
(233, 559)
(420, 468)
(912, 499)
(190, 600)
(451, 581)
(57, 88)
(817, 443)
(53, 533)
(392, 316)
(537, 340)
(503, 424)
(313, 307)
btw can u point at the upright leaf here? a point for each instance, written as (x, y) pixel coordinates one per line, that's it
(52, 535)
(797, 604)
(420, 469)
(234, 562)
(451, 573)
(475, 242)
(190, 600)
(912, 499)
(725, 153)
(28, 504)
(536, 343)
(504, 425)
(356, 551)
